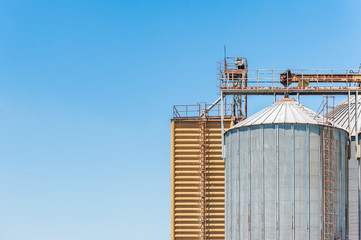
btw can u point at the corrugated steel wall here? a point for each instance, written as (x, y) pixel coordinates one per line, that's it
(274, 182)
(185, 179)
(341, 117)
(353, 208)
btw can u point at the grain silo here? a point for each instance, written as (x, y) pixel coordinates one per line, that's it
(197, 173)
(286, 176)
(345, 117)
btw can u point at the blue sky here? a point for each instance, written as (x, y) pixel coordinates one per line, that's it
(86, 95)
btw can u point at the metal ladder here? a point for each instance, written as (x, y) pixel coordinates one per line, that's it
(329, 170)
(202, 126)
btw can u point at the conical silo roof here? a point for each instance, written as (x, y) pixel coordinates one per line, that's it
(341, 114)
(284, 111)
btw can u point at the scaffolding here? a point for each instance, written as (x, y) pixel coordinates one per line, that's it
(233, 70)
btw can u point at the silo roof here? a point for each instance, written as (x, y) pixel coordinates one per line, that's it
(285, 111)
(341, 114)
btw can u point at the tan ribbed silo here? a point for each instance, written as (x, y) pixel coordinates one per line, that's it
(197, 178)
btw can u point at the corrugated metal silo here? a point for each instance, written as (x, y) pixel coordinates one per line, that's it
(274, 163)
(345, 118)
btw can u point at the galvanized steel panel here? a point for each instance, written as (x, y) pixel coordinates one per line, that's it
(341, 115)
(186, 204)
(274, 178)
(270, 185)
(346, 119)
(353, 207)
(283, 112)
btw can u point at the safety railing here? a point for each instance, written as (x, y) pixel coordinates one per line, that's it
(201, 110)
(289, 78)
(233, 63)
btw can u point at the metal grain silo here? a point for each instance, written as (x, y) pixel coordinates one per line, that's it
(275, 176)
(344, 116)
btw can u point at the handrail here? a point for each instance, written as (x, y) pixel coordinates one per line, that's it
(201, 110)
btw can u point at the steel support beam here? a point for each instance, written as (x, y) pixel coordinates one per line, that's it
(222, 122)
(289, 91)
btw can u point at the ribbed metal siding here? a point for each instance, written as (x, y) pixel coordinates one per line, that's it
(185, 170)
(342, 119)
(353, 208)
(274, 178)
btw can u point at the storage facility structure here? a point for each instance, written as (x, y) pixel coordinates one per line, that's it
(291, 173)
(347, 119)
(197, 173)
(285, 178)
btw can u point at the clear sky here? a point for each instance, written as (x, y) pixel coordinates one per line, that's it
(86, 95)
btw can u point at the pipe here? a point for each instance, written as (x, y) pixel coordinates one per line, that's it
(210, 107)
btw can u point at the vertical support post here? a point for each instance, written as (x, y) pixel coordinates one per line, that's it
(245, 77)
(357, 158)
(238, 179)
(250, 186)
(349, 118)
(277, 185)
(356, 123)
(274, 97)
(321, 177)
(245, 105)
(222, 122)
(293, 182)
(349, 151)
(298, 97)
(308, 160)
(349, 156)
(263, 189)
